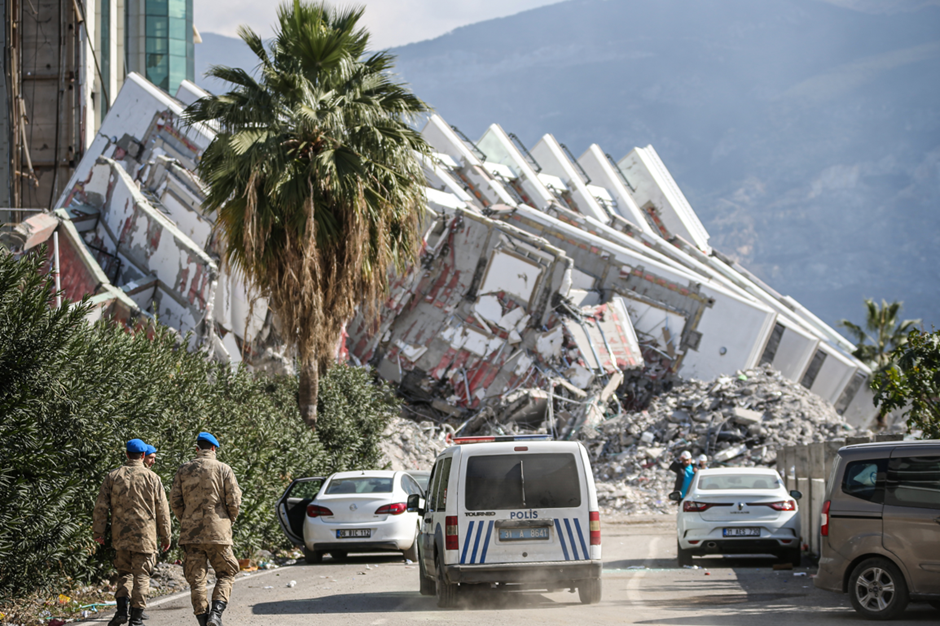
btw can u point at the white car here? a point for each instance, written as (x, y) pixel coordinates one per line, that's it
(362, 511)
(744, 510)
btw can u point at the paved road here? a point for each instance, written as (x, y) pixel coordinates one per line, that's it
(378, 590)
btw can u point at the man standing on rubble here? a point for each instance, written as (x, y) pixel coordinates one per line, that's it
(135, 499)
(684, 470)
(206, 498)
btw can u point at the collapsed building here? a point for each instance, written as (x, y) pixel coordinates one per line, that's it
(546, 283)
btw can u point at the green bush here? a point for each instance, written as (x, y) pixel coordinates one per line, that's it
(72, 393)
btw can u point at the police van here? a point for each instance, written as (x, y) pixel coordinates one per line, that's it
(516, 512)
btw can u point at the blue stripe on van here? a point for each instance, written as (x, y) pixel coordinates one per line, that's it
(486, 541)
(476, 544)
(577, 526)
(574, 548)
(466, 544)
(561, 539)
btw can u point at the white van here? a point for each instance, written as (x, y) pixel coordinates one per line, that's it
(517, 511)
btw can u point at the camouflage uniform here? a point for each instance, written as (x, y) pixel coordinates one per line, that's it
(205, 497)
(136, 501)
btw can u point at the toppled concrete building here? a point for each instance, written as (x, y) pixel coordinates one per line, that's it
(131, 234)
(549, 286)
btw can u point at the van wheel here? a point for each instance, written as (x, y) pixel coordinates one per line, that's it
(426, 584)
(590, 591)
(877, 589)
(412, 553)
(685, 556)
(446, 592)
(312, 557)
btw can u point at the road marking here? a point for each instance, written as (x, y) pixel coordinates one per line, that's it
(633, 585)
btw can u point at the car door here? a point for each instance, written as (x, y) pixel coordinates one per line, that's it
(292, 506)
(912, 514)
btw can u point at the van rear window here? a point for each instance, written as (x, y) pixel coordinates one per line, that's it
(517, 481)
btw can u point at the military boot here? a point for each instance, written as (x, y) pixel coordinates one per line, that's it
(120, 617)
(136, 617)
(203, 618)
(215, 615)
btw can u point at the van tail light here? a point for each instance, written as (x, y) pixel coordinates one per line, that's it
(314, 510)
(451, 541)
(824, 521)
(595, 526)
(392, 509)
(691, 506)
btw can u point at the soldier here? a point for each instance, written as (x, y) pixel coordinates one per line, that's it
(136, 501)
(205, 497)
(150, 456)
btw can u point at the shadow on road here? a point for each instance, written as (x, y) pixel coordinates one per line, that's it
(412, 602)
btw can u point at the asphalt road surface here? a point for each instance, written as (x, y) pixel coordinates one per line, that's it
(641, 585)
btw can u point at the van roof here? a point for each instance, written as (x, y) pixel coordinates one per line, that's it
(510, 446)
(891, 444)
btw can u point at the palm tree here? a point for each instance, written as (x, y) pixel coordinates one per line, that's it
(883, 333)
(314, 177)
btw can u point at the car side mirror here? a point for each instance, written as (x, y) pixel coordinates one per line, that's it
(415, 504)
(675, 496)
(796, 495)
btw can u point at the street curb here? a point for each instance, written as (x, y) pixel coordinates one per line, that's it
(175, 596)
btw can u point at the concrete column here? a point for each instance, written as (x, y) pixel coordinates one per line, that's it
(832, 453)
(803, 485)
(817, 497)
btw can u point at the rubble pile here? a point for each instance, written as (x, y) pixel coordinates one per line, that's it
(410, 445)
(739, 420)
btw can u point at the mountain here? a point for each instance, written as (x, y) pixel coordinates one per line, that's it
(805, 134)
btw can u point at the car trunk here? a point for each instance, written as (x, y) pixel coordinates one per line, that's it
(740, 507)
(350, 509)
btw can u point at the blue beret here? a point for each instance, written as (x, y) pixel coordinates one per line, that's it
(151, 450)
(209, 438)
(136, 446)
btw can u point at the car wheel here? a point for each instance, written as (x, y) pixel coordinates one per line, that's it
(312, 557)
(590, 591)
(877, 589)
(339, 555)
(446, 592)
(412, 553)
(793, 556)
(426, 584)
(685, 556)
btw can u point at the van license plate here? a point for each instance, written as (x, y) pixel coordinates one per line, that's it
(522, 534)
(355, 533)
(741, 532)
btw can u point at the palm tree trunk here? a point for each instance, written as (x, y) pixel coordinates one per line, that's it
(307, 394)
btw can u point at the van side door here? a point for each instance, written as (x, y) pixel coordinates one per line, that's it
(912, 514)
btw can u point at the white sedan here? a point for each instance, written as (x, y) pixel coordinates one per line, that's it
(744, 510)
(361, 511)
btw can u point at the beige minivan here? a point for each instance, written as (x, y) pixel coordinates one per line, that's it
(881, 527)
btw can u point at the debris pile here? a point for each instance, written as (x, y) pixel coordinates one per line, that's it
(409, 445)
(739, 420)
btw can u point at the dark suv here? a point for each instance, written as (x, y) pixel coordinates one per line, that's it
(881, 527)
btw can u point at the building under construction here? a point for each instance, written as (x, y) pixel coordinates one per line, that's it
(64, 63)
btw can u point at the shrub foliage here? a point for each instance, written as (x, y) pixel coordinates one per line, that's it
(72, 393)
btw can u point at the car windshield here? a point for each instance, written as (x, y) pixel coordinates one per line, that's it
(737, 481)
(359, 484)
(516, 481)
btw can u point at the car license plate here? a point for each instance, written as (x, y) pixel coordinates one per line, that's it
(522, 534)
(354, 533)
(741, 532)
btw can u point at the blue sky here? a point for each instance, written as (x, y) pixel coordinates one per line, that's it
(392, 22)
